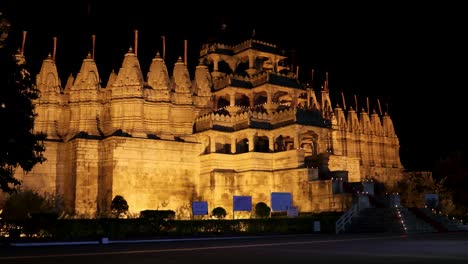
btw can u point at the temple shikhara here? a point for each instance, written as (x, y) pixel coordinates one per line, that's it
(242, 125)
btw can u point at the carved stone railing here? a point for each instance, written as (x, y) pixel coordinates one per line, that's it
(243, 119)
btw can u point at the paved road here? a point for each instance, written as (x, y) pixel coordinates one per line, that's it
(314, 248)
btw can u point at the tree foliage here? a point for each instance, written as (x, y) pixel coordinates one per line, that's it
(119, 206)
(219, 212)
(414, 185)
(262, 210)
(21, 205)
(19, 145)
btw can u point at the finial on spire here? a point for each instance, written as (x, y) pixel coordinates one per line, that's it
(355, 102)
(179, 59)
(344, 103)
(93, 39)
(185, 51)
(368, 109)
(55, 48)
(22, 44)
(380, 108)
(163, 47)
(158, 55)
(89, 56)
(49, 56)
(326, 81)
(253, 33)
(136, 42)
(130, 50)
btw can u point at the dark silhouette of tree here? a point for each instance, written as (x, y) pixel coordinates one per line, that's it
(219, 212)
(262, 210)
(414, 185)
(19, 145)
(453, 166)
(21, 205)
(119, 206)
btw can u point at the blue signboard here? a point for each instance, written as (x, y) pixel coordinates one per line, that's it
(293, 211)
(242, 203)
(199, 208)
(281, 201)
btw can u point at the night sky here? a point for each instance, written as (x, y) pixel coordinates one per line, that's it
(411, 57)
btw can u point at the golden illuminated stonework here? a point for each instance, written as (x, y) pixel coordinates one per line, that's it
(244, 125)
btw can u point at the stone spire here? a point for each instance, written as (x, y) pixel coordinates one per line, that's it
(158, 78)
(202, 89)
(181, 84)
(49, 101)
(88, 77)
(340, 118)
(364, 122)
(353, 121)
(312, 102)
(387, 124)
(47, 80)
(69, 83)
(127, 114)
(84, 100)
(112, 78)
(130, 73)
(203, 81)
(375, 123)
(326, 105)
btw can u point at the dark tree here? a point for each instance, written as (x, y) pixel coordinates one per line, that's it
(119, 206)
(219, 212)
(23, 204)
(262, 210)
(19, 145)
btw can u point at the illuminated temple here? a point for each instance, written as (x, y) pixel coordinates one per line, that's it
(243, 124)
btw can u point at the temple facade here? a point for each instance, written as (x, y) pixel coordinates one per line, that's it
(244, 125)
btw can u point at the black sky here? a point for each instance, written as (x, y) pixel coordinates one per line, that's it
(411, 57)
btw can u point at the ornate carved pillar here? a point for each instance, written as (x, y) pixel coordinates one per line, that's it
(212, 144)
(251, 70)
(233, 145)
(232, 99)
(271, 143)
(251, 143)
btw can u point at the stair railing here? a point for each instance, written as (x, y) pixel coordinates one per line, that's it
(346, 218)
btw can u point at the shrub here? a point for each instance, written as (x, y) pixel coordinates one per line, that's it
(219, 212)
(119, 207)
(21, 205)
(158, 214)
(262, 210)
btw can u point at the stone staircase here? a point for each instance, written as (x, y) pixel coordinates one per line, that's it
(384, 214)
(388, 220)
(450, 225)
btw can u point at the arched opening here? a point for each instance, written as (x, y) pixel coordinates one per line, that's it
(262, 144)
(260, 98)
(309, 143)
(283, 143)
(223, 148)
(241, 68)
(242, 146)
(242, 100)
(282, 98)
(224, 67)
(222, 102)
